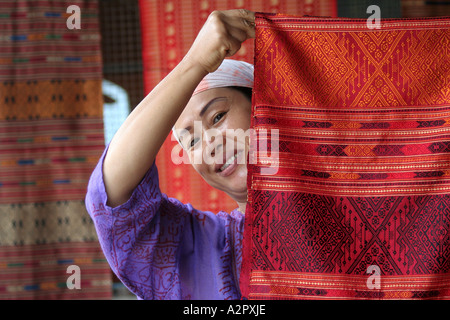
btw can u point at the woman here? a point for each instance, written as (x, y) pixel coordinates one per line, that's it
(158, 247)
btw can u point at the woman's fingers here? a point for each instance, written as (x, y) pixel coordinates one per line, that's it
(239, 25)
(222, 36)
(234, 44)
(247, 19)
(241, 19)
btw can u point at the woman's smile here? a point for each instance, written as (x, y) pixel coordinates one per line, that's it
(230, 164)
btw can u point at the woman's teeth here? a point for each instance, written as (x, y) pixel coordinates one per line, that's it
(228, 163)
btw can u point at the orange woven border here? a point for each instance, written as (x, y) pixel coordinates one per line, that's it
(297, 285)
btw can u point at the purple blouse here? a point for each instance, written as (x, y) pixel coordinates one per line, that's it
(161, 248)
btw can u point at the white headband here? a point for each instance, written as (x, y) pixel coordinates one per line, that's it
(231, 73)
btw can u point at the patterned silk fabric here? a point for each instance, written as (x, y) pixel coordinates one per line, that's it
(360, 205)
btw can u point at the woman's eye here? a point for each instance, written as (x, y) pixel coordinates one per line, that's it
(218, 117)
(193, 142)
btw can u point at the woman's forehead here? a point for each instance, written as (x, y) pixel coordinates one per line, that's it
(193, 110)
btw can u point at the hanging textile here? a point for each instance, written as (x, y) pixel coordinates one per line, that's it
(51, 136)
(356, 202)
(168, 30)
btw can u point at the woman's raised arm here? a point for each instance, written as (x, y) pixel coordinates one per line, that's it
(135, 145)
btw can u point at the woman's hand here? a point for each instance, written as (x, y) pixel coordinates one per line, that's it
(221, 36)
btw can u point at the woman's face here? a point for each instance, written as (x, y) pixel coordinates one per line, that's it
(216, 123)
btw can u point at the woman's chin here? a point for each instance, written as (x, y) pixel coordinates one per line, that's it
(234, 184)
(237, 183)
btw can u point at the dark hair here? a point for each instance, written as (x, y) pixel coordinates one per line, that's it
(247, 92)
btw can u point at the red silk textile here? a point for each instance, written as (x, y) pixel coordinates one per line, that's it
(360, 205)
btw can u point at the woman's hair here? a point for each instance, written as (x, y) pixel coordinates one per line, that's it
(246, 91)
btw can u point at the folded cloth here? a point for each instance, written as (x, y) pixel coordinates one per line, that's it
(359, 207)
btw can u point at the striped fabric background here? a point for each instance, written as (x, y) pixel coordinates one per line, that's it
(51, 136)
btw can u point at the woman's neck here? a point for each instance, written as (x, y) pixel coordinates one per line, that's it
(242, 206)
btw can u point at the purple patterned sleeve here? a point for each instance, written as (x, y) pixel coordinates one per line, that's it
(161, 248)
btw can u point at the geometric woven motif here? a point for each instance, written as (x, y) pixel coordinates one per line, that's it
(315, 233)
(363, 164)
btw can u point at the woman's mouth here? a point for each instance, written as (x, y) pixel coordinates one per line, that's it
(229, 166)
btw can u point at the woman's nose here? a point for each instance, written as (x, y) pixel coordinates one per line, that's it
(214, 141)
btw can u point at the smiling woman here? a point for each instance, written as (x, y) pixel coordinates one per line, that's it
(159, 247)
(206, 129)
(218, 111)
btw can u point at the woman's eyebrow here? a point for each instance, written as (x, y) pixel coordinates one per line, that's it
(210, 103)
